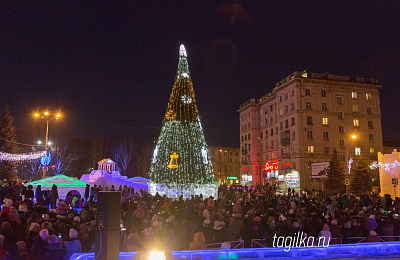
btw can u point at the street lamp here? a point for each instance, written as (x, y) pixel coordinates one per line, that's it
(349, 162)
(47, 117)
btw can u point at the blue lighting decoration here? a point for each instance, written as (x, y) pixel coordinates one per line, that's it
(45, 160)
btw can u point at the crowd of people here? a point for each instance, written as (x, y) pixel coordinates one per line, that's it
(39, 225)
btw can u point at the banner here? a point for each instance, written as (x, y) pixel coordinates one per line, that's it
(319, 170)
(292, 180)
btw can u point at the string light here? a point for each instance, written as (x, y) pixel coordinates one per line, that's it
(386, 166)
(21, 157)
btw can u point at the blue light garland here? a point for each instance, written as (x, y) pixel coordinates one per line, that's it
(45, 160)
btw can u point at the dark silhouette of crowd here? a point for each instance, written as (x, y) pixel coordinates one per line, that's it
(39, 225)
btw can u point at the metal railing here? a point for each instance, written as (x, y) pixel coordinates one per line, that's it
(234, 245)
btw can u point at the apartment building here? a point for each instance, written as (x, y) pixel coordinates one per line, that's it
(226, 163)
(290, 133)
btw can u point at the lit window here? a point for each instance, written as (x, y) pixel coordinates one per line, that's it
(369, 110)
(357, 151)
(281, 111)
(324, 106)
(310, 134)
(341, 142)
(341, 115)
(354, 95)
(371, 150)
(308, 105)
(326, 135)
(368, 96)
(371, 137)
(355, 108)
(339, 99)
(356, 122)
(341, 129)
(324, 92)
(325, 121)
(311, 149)
(308, 91)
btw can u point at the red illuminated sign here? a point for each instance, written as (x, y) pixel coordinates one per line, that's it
(245, 169)
(271, 166)
(287, 164)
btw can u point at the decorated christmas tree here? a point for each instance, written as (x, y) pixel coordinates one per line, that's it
(181, 155)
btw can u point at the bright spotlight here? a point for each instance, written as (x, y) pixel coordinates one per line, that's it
(156, 255)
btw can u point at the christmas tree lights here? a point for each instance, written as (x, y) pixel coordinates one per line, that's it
(181, 159)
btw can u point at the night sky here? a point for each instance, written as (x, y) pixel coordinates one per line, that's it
(110, 67)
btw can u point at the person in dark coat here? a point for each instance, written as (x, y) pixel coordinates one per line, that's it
(53, 249)
(38, 251)
(207, 231)
(87, 190)
(232, 231)
(29, 193)
(38, 192)
(54, 196)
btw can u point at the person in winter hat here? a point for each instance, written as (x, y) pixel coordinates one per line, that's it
(326, 233)
(53, 249)
(72, 245)
(371, 223)
(218, 232)
(37, 249)
(199, 242)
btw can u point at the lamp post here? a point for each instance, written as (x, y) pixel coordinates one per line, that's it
(47, 117)
(348, 164)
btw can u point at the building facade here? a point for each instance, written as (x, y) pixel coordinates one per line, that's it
(226, 163)
(288, 134)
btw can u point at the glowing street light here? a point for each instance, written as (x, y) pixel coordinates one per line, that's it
(39, 142)
(47, 117)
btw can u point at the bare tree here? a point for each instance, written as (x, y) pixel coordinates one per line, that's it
(34, 169)
(123, 152)
(143, 154)
(63, 158)
(99, 149)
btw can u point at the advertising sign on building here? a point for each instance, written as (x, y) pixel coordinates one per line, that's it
(292, 180)
(319, 170)
(272, 168)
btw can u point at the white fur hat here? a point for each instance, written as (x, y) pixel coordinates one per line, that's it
(73, 233)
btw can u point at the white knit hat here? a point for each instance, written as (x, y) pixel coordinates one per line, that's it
(73, 233)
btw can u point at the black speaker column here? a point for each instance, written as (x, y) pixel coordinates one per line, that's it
(108, 225)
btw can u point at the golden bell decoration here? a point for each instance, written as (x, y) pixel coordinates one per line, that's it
(173, 163)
